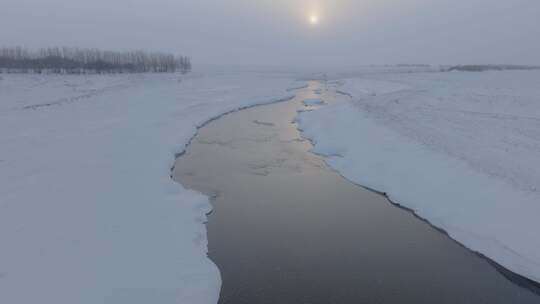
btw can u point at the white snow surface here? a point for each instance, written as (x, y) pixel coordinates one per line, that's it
(88, 210)
(459, 149)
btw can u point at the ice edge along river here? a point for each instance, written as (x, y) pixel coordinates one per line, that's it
(483, 213)
(88, 212)
(221, 242)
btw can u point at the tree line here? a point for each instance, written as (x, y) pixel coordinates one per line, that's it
(489, 67)
(64, 60)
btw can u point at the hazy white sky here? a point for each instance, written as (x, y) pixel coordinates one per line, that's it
(277, 32)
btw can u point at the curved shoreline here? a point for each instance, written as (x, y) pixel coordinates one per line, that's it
(218, 201)
(180, 154)
(520, 279)
(512, 276)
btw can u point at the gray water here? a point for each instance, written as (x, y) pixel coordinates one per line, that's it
(287, 229)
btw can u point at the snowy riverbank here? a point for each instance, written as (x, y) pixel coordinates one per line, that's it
(460, 149)
(88, 211)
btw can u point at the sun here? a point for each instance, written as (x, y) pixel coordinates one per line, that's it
(313, 19)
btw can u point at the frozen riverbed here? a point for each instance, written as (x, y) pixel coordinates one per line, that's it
(288, 229)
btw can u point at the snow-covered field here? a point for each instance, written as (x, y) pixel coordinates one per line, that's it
(88, 211)
(460, 149)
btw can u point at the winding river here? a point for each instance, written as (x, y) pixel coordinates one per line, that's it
(287, 229)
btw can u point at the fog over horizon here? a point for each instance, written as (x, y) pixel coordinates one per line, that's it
(278, 32)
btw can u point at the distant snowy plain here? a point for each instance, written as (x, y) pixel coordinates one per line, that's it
(88, 210)
(460, 149)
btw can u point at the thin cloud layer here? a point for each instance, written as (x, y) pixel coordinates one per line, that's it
(278, 32)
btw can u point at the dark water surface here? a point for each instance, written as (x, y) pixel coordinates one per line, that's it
(287, 229)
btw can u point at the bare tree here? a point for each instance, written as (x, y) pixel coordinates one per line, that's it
(76, 60)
